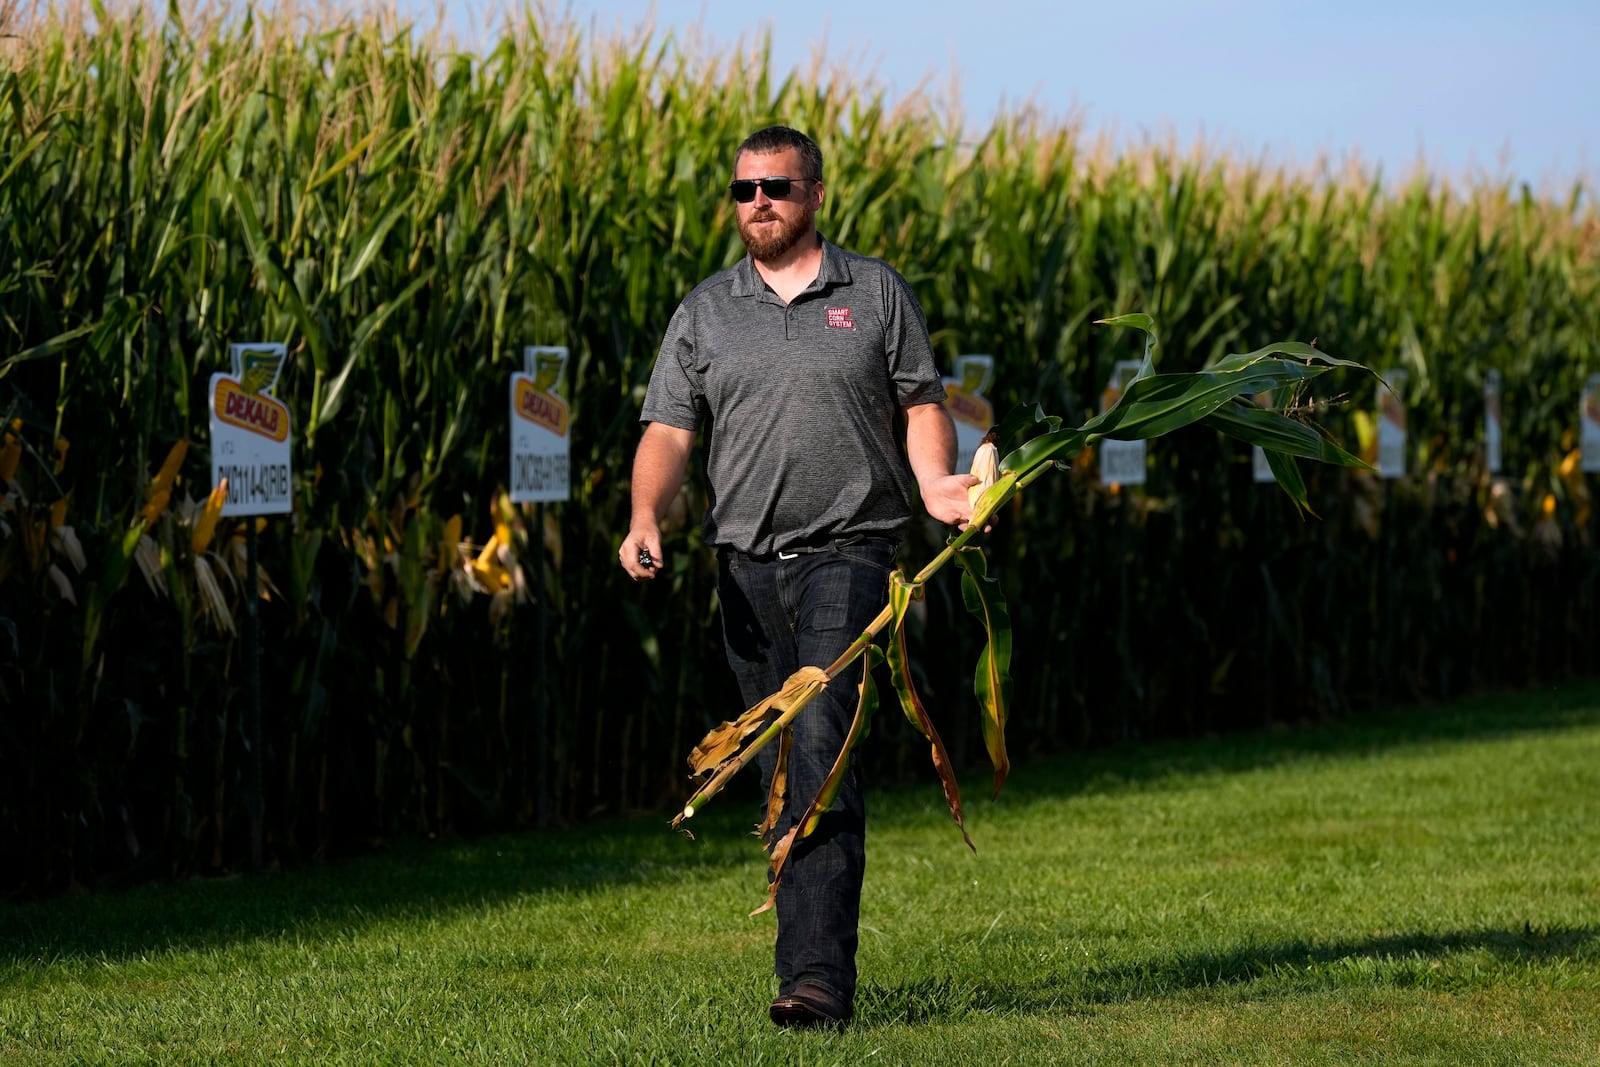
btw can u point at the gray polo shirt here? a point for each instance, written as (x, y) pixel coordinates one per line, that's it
(801, 402)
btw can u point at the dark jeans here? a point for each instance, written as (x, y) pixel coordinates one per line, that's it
(779, 615)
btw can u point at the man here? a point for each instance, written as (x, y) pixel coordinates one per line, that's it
(804, 361)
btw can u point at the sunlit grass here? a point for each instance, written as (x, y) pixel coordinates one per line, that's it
(1418, 889)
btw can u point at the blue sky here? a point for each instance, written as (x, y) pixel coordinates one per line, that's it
(1508, 89)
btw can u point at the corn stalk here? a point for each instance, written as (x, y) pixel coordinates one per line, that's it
(405, 215)
(1152, 405)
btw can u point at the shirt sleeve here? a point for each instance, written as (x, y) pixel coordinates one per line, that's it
(907, 349)
(675, 395)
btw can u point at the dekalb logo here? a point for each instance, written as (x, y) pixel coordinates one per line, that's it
(255, 412)
(839, 319)
(541, 408)
(967, 408)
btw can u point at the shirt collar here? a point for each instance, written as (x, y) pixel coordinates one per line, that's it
(835, 270)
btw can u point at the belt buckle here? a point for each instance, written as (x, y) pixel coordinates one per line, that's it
(787, 555)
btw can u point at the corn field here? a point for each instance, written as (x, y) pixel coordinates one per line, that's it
(405, 217)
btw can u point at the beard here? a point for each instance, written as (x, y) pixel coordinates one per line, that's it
(771, 245)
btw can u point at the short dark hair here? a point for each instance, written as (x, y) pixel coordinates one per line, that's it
(776, 139)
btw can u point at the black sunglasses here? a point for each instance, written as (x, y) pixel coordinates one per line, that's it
(776, 188)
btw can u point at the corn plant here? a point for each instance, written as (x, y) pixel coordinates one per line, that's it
(404, 216)
(1153, 405)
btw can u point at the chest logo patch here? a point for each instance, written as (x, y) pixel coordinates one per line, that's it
(839, 319)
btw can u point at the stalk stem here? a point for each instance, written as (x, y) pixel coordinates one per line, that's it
(734, 764)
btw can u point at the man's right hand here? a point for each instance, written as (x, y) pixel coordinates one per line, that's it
(637, 548)
(658, 470)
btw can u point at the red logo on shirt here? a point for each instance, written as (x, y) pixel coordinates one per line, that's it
(839, 319)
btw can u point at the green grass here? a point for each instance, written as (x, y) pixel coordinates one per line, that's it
(1421, 887)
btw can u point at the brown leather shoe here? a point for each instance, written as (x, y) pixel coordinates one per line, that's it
(809, 1008)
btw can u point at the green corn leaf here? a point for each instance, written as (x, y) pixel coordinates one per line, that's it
(46, 348)
(1024, 417)
(1292, 349)
(372, 243)
(21, 157)
(364, 330)
(344, 161)
(1155, 404)
(1057, 446)
(279, 285)
(113, 571)
(1283, 439)
(1148, 325)
(1287, 473)
(1139, 321)
(901, 593)
(992, 678)
(1276, 432)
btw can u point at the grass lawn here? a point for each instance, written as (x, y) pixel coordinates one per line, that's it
(1419, 887)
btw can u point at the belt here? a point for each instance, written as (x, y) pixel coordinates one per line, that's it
(795, 551)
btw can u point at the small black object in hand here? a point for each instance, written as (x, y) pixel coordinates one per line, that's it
(645, 558)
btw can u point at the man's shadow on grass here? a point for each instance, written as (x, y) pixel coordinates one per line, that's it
(1400, 960)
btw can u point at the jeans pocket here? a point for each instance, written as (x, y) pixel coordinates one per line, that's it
(879, 552)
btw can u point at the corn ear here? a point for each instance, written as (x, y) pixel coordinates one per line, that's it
(205, 526)
(11, 452)
(985, 467)
(452, 537)
(161, 487)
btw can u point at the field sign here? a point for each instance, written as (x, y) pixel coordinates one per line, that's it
(250, 433)
(1392, 425)
(1491, 421)
(1121, 462)
(1589, 421)
(969, 408)
(541, 446)
(1260, 469)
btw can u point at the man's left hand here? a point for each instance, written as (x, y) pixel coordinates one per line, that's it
(946, 498)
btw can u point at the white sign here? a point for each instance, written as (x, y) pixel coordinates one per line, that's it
(1260, 469)
(969, 408)
(1121, 462)
(1491, 421)
(1392, 426)
(250, 433)
(1589, 421)
(541, 447)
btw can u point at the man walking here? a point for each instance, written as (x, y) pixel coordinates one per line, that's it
(806, 363)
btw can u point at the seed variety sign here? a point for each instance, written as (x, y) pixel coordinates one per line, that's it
(969, 408)
(1491, 421)
(1260, 469)
(250, 433)
(540, 443)
(1589, 425)
(1121, 462)
(1392, 425)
